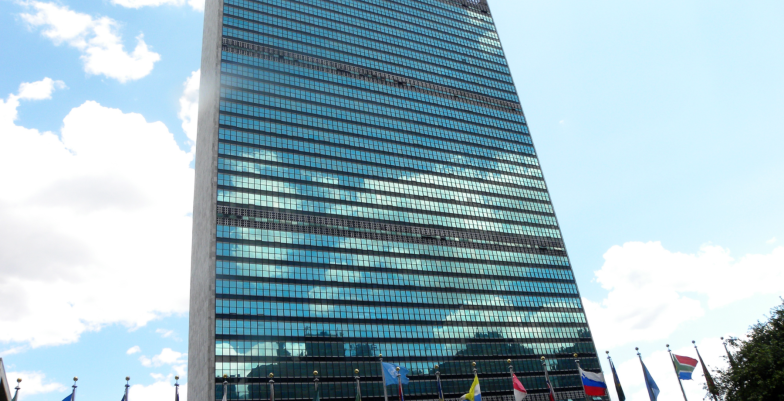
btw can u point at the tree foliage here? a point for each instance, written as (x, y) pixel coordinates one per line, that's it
(756, 371)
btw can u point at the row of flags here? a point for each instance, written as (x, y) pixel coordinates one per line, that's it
(72, 396)
(684, 367)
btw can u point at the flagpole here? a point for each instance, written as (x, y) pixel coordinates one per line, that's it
(73, 393)
(438, 382)
(708, 379)
(511, 372)
(176, 388)
(616, 381)
(225, 387)
(383, 377)
(315, 380)
(399, 386)
(647, 384)
(16, 393)
(729, 356)
(359, 391)
(678, 376)
(127, 386)
(272, 387)
(546, 375)
(577, 362)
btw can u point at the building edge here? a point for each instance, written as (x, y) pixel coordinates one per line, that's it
(201, 335)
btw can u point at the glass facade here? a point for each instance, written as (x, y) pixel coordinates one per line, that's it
(378, 192)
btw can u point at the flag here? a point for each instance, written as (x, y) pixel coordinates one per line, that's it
(708, 379)
(224, 394)
(684, 366)
(317, 397)
(440, 391)
(618, 388)
(593, 383)
(390, 373)
(551, 393)
(399, 389)
(358, 398)
(123, 399)
(519, 390)
(70, 396)
(474, 394)
(653, 389)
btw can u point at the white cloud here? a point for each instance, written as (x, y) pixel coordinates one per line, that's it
(97, 39)
(189, 105)
(165, 333)
(197, 5)
(133, 350)
(653, 290)
(161, 390)
(771, 241)
(660, 367)
(91, 223)
(39, 90)
(166, 357)
(33, 383)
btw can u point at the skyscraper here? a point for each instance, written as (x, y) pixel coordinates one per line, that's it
(366, 184)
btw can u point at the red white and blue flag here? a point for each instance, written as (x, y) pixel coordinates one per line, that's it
(593, 383)
(552, 392)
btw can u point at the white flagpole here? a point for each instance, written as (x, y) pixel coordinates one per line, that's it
(176, 388)
(547, 377)
(272, 387)
(225, 387)
(580, 372)
(127, 386)
(383, 377)
(359, 392)
(73, 393)
(678, 376)
(16, 393)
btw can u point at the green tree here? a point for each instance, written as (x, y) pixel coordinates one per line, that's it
(756, 371)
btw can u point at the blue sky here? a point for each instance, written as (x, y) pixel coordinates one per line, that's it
(658, 127)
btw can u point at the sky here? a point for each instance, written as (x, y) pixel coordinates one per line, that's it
(658, 126)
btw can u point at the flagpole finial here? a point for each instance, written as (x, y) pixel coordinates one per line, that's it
(176, 378)
(225, 376)
(436, 366)
(19, 380)
(271, 375)
(76, 378)
(397, 368)
(473, 364)
(380, 355)
(607, 352)
(315, 373)
(542, 358)
(509, 361)
(356, 371)
(636, 348)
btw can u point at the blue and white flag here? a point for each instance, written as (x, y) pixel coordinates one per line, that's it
(653, 389)
(390, 373)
